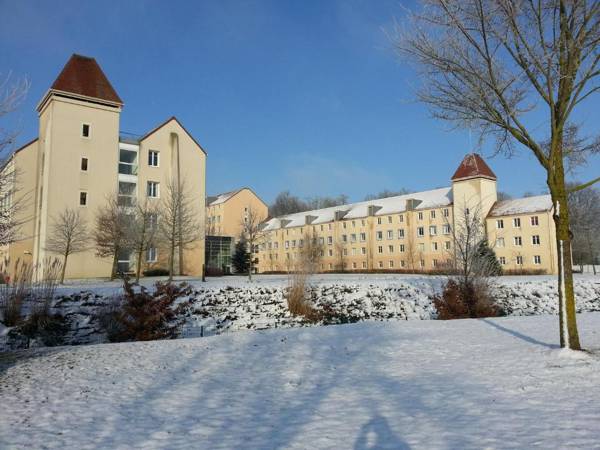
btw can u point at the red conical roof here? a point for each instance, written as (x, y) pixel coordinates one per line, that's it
(83, 76)
(473, 166)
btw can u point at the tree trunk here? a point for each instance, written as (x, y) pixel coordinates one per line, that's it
(171, 260)
(569, 336)
(138, 269)
(64, 268)
(113, 271)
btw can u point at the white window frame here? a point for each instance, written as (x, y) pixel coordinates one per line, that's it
(87, 199)
(157, 153)
(155, 191)
(87, 164)
(152, 255)
(89, 125)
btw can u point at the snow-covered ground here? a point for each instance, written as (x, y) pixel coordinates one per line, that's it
(233, 303)
(496, 384)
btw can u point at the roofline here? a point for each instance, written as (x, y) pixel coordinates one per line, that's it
(9, 158)
(25, 145)
(71, 95)
(236, 192)
(472, 177)
(151, 132)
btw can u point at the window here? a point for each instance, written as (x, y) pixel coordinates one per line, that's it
(153, 158)
(152, 255)
(344, 238)
(380, 264)
(127, 193)
(345, 252)
(353, 237)
(420, 231)
(329, 240)
(402, 263)
(391, 264)
(390, 219)
(363, 250)
(519, 260)
(499, 224)
(537, 260)
(380, 249)
(421, 247)
(432, 230)
(354, 224)
(517, 222)
(446, 228)
(293, 243)
(420, 216)
(379, 221)
(401, 248)
(400, 218)
(287, 244)
(502, 260)
(518, 241)
(535, 239)
(432, 214)
(434, 246)
(85, 130)
(363, 237)
(330, 252)
(379, 235)
(354, 265)
(84, 164)
(364, 265)
(422, 263)
(83, 198)
(435, 263)
(344, 225)
(330, 266)
(401, 233)
(328, 227)
(127, 162)
(445, 212)
(153, 189)
(390, 249)
(321, 241)
(447, 245)
(390, 234)
(534, 221)
(354, 251)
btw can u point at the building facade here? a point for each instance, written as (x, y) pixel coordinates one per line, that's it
(81, 159)
(414, 232)
(226, 215)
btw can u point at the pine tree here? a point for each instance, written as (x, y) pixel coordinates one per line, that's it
(241, 257)
(488, 257)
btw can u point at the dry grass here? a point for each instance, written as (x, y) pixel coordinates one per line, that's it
(297, 298)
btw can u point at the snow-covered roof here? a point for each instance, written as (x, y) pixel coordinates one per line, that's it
(384, 206)
(522, 205)
(221, 198)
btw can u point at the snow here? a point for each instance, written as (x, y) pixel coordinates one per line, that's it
(497, 384)
(524, 205)
(384, 206)
(222, 198)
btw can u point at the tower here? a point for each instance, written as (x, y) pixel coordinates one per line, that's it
(77, 157)
(473, 187)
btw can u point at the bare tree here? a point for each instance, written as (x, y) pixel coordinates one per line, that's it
(386, 193)
(12, 200)
(340, 251)
(141, 233)
(490, 64)
(310, 254)
(252, 232)
(111, 231)
(68, 235)
(179, 225)
(584, 210)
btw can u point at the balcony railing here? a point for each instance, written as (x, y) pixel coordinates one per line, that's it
(128, 169)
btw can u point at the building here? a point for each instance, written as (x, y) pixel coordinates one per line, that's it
(81, 159)
(226, 214)
(414, 232)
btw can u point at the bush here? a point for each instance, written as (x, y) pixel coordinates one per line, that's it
(145, 316)
(157, 272)
(214, 272)
(297, 301)
(524, 272)
(465, 300)
(49, 328)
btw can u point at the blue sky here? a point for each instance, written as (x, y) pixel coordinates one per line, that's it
(299, 95)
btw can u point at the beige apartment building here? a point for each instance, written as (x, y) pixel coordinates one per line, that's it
(81, 159)
(414, 232)
(226, 213)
